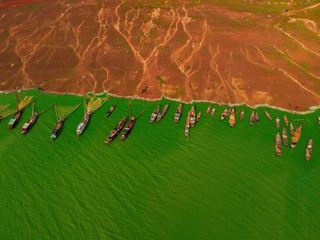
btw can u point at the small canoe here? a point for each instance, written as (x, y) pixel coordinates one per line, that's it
(208, 110)
(268, 115)
(291, 128)
(256, 117)
(241, 114)
(309, 150)
(278, 145)
(213, 112)
(252, 118)
(286, 120)
(284, 136)
(277, 122)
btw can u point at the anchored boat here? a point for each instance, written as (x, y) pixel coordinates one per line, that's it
(319, 120)
(60, 120)
(277, 122)
(268, 115)
(224, 114)
(110, 111)
(198, 116)
(284, 136)
(89, 108)
(296, 137)
(232, 119)
(308, 150)
(114, 133)
(252, 118)
(162, 113)
(291, 128)
(32, 120)
(154, 114)
(126, 131)
(187, 126)
(278, 145)
(286, 120)
(213, 112)
(256, 117)
(21, 105)
(177, 115)
(208, 110)
(241, 114)
(192, 117)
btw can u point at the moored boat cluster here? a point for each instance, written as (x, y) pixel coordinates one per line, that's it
(192, 118)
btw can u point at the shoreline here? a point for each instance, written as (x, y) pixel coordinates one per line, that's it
(312, 108)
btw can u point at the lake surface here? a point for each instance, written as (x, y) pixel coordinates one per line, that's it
(222, 183)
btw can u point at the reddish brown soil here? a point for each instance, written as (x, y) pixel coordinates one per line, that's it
(246, 52)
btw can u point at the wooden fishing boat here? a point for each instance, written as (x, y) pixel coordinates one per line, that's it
(319, 120)
(224, 114)
(241, 114)
(187, 126)
(110, 111)
(14, 121)
(198, 116)
(21, 105)
(252, 118)
(296, 137)
(256, 117)
(308, 150)
(278, 145)
(32, 120)
(286, 120)
(277, 122)
(268, 115)
(213, 112)
(89, 108)
(232, 118)
(114, 133)
(208, 110)
(162, 113)
(177, 115)
(284, 136)
(154, 114)
(192, 117)
(57, 129)
(291, 129)
(126, 131)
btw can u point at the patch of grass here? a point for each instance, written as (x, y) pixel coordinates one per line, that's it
(161, 81)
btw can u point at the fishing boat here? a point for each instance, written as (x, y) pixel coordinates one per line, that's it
(126, 131)
(192, 117)
(154, 114)
(21, 105)
(241, 114)
(319, 120)
(291, 128)
(224, 114)
(252, 118)
(232, 118)
(114, 133)
(308, 150)
(286, 120)
(256, 117)
(89, 108)
(229, 111)
(277, 122)
(110, 111)
(284, 136)
(187, 126)
(296, 137)
(198, 116)
(177, 115)
(208, 110)
(60, 120)
(268, 115)
(278, 145)
(213, 112)
(162, 113)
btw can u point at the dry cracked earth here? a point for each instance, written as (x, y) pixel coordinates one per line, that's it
(232, 51)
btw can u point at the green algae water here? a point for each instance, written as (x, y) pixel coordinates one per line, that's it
(222, 183)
